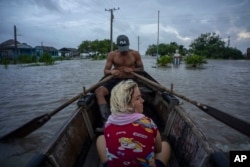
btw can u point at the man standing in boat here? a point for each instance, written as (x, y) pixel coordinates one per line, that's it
(120, 63)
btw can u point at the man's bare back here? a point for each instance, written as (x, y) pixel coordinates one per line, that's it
(123, 63)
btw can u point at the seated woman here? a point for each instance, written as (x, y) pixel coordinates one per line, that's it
(130, 138)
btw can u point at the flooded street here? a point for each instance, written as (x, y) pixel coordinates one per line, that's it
(27, 92)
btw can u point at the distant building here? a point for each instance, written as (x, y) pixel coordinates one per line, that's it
(8, 49)
(40, 50)
(69, 52)
(85, 55)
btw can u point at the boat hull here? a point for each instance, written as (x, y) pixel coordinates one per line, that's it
(75, 141)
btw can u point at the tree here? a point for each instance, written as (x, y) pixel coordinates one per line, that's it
(165, 49)
(232, 53)
(85, 47)
(210, 45)
(152, 49)
(96, 46)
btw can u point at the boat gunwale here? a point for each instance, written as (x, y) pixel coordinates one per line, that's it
(206, 144)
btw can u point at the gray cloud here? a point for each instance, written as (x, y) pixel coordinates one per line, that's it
(66, 23)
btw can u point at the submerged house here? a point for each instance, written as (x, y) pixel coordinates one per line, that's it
(10, 50)
(40, 50)
(69, 52)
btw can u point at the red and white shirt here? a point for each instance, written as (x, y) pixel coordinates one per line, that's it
(130, 142)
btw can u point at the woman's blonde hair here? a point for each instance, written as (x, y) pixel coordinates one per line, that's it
(121, 96)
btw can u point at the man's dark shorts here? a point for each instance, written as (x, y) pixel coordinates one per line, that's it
(112, 82)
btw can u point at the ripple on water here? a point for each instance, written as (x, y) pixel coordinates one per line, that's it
(27, 92)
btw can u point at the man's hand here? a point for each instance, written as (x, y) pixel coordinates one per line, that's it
(115, 72)
(122, 72)
(128, 69)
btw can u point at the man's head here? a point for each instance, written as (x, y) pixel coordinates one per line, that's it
(122, 43)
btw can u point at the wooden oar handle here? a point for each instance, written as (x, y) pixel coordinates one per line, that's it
(107, 78)
(39, 121)
(79, 95)
(162, 88)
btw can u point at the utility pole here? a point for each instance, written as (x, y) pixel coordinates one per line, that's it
(111, 26)
(15, 41)
(138, 44)
(158, 34)
(228, 42)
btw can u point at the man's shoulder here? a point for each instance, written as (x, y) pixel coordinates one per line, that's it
(112, 53)
(118, 53)
(134, 51)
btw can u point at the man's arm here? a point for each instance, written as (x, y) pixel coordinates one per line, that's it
(108, 65)
(138, 64)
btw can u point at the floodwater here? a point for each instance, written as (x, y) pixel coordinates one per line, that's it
(27, 92)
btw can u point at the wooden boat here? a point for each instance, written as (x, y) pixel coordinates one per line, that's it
(74, 144)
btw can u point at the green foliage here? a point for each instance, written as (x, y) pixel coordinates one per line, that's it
(166, 49)
(152, 50)
(232, 53)
(211, 46)
(164, 60)
(47, 59)
(96, 46)
(26, 59)
(5, 61)
(195, 60)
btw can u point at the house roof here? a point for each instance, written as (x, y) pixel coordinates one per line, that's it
(9, 43)
(46, 48)
(24, 46)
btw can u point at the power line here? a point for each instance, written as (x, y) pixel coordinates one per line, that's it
(123, 24)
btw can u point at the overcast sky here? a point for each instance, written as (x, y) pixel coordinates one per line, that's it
(66, 23)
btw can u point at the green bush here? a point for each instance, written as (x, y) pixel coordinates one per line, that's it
(5, 61)
(164, 60)
(195, 60)
(47, 59)
(26, 59)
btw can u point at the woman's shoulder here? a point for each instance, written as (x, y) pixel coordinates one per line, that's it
(146, 121)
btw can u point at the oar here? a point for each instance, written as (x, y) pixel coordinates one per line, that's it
(39, 121)
(231, 121)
